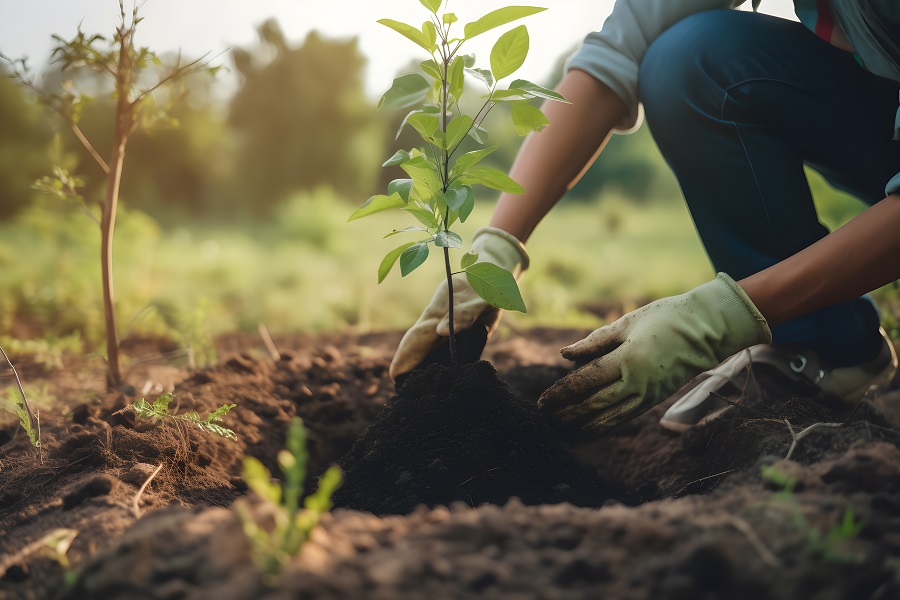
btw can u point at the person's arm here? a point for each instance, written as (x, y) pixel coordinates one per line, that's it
(551, 162)
(857, 258)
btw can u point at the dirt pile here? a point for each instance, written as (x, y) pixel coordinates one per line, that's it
(461, 435)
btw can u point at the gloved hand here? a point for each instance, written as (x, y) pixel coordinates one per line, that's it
(491, 245)
(642, 358)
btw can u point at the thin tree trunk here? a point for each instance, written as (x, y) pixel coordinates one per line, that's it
(107, 228)
(124, 124)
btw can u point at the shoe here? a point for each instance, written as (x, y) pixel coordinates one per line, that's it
(702, 400)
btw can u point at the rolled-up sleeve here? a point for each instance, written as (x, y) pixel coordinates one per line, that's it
(614, 54)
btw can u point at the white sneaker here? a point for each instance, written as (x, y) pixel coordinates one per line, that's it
(698, 403)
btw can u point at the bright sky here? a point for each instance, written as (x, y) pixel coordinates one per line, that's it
(199, 26)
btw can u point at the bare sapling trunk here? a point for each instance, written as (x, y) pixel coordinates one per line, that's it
(124, 124)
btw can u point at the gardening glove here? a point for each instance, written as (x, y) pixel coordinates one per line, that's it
(491, 245)
(639, 360)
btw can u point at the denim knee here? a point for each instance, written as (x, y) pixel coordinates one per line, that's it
(690, 65)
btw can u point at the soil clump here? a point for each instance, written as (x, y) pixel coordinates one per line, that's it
(461, 435)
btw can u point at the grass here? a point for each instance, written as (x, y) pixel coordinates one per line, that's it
(310, 270)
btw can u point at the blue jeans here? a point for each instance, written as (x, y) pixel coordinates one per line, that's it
(738, 102)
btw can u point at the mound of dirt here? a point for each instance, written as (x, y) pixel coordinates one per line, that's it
(461, 435)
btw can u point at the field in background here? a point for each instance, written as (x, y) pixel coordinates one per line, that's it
(309, 270)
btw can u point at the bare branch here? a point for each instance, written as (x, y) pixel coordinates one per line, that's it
(178, 71)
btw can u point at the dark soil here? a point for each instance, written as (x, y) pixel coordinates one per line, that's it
(461, 435)
(665, 517)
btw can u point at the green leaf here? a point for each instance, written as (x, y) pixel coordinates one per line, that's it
(258, 479)
(377, 204)
(404, 230)
(412, 258)
(496, 286)
(447, 239)
(320, 501)
(424, 217)
(401, 156)
(427, 110)
(220, 412)
(492, 178)
(390, 258)
(456, 130)
(479, 134)
(449, 18)
(469, 160)
(426, 180)
(499, 17)
(161, 406)
(431, 68)
(406, 90)
(528, 118)
(482, 75)
(401, 187)
(456, 196)
(512, 95)
(537, 90)
(468, 60)
(468, 259)
(456, 77)
(469, 205)
(509, 52)
(409, 32)
(430, 33)
(432, 5)
(427, 125)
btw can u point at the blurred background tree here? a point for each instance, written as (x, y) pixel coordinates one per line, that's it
(301, 119)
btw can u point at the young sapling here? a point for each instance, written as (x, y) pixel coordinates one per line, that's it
(293, 522)
(123, 62)
(160, 410)
(438, 191)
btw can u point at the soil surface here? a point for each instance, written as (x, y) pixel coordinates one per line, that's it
(474, 496)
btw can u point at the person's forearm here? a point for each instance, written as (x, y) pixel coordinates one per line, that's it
(552, 161)
(861, 256)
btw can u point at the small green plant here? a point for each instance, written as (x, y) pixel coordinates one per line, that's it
(126, 65)
(54, 545)
(160, 410)
(773, 475)
(830, 547)
(293, 524)
(439, 189)
(827, 547)
(29, 421)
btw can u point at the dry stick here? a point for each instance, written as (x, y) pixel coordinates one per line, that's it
(765, 554)
(799, 436)
(702, 479)
(135, 509)
(274, 354)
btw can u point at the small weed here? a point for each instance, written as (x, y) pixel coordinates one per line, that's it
(293, 524)
(829, 547)
(54, 545)
(160, 410)
(773, 475)
(29, 421)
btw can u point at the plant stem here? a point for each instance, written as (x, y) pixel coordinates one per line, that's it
(446, 176)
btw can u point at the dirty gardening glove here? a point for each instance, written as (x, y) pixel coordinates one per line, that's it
(639, 360)
(433, 327)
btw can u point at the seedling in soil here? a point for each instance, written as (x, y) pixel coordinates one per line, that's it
(126, 65)
(54, 545)
(160, 410)
(293, 524)
(30, 422)
(439, 192)
(829, 547)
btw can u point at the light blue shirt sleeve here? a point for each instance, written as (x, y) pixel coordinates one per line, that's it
(614, 54)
